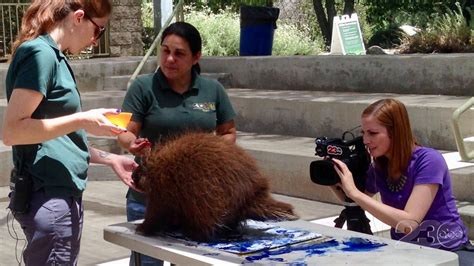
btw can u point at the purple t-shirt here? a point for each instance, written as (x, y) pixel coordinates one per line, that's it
(442, 226)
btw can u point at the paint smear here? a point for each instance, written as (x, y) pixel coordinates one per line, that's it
(262, 241)
(258, 236)
(354, 244)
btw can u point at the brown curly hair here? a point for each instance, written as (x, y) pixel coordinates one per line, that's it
(204, 186)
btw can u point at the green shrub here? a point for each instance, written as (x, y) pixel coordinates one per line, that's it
(291, 40)
(387, 37)
(221, 34)
(148, 31)
(219, 31)
(448, 33)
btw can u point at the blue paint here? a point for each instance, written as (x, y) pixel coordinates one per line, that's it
(358, 244)
(354, 244)
(298, 263)
(255, 239)
(211, 254)
(309, 249)
(277, 259)
(268, 242)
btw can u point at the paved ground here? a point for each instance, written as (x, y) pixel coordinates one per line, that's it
(104, 203)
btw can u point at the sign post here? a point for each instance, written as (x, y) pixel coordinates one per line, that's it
(347, 36)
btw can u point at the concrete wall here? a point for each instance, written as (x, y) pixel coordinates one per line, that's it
(91, 74)
(126, 28)
(448, 74)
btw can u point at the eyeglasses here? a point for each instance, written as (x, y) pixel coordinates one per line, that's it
(99, 30)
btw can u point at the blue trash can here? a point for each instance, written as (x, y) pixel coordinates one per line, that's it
(257, 26)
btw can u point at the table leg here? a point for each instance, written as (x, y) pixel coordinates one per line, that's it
(137, 257)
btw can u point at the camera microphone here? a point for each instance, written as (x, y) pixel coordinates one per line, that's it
(322, 172)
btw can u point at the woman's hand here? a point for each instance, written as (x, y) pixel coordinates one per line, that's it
(121, 165)
(95, 122)
(124, 167)
(140, 147)
(347, 181)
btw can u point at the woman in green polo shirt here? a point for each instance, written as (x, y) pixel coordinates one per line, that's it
(47, 128)
(173, 100)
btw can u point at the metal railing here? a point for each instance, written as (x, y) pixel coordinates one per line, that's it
(463, 151)
(178, 13)
(10, 23)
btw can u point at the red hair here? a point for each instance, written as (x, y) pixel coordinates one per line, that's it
(42, 15)
(393, 115)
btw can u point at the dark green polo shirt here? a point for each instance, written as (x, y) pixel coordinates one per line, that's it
(59, 166)
(164, 113)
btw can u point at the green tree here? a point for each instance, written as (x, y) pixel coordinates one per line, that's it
(216, 5)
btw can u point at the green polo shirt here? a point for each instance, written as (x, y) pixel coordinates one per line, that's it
(164, 113)
(59, 166)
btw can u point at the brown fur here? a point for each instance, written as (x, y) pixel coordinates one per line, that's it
(202, 185)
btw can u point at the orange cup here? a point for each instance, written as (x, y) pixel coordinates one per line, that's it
(121, 119)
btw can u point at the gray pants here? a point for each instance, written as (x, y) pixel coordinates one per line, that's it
(53, 229)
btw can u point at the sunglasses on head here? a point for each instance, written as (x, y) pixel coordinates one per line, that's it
(99, 30)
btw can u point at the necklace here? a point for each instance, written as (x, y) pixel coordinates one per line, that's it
(398, 185)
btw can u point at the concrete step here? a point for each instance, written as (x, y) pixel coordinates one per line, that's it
(116, 83)
(445, 74)
(321, 113)
(469, 143)
(224, 78)
(100, 74)
(108, 144)
(92, 73)
(6, 164)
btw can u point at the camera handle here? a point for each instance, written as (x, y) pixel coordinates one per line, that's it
(355, 217)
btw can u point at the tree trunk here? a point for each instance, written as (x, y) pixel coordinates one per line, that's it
(322, 21)
(348, 7)
(331, 11)
(325, 17)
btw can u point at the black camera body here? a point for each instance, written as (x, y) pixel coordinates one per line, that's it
(21, 187)
(351, 152)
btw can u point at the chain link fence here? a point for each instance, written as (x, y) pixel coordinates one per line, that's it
(11, 13)
(10, 21)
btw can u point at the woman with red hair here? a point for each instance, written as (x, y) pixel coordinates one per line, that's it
(413, 181)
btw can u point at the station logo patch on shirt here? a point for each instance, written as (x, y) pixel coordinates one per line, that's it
(205, 107)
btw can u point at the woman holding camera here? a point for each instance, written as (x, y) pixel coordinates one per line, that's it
(413, 181)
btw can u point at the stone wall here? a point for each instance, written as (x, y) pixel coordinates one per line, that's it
(125, 28)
